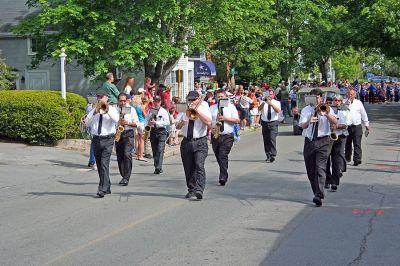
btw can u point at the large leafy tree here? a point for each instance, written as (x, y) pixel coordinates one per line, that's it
(104, 34)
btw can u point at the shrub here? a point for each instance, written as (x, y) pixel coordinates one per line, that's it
(39, 116)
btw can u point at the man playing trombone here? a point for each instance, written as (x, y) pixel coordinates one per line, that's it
(102, 121)
(157, 120)
(270, 110)
(316, 121)
(194, 146)
(224, 116)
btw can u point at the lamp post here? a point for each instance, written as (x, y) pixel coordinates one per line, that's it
(63, 82)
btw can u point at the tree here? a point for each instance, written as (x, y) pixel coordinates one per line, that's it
(104, 34)
(347, 64)
(7, 75)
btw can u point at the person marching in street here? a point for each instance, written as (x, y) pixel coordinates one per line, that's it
(102, 121)
(270, 110)
(158, 119)
(358, 115)
(194, 146)
(337, 160)
(316, 130)
(222, 141)
(125, 144)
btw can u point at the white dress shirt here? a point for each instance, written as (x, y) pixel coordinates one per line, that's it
(343, 119)
(324, 128)
(162, 117)
(230, 112)
(110, 120)
(130, 118)
(357, 113)
(200, 129)
(274, 115)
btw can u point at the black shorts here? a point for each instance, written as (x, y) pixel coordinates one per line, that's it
(244, 113)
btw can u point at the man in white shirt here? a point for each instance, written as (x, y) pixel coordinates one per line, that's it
(194, 146)
(222, 141)
(125, 145)
(316, 130)
(158, 119)
(270, 109)
(358, 115)
(102, 121)
(337, 159)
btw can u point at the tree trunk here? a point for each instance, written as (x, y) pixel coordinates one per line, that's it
(160, 71)
(323, 69)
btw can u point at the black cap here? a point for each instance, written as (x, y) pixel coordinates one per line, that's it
(192, 95)
(101, 92)
(157, 98)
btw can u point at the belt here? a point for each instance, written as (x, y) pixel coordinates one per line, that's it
(195, 139)
(355, 125)
(104, 137)
(269, 121)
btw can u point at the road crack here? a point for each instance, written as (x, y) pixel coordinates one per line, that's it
(364, 241)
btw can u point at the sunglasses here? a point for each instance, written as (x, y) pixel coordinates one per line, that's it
(191, 100)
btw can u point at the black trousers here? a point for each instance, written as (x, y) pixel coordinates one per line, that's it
(354, 139)
(222, 147)
(337, 161)
(102, 152)
(194, 153)
(124, 149)
(157, 139)
(269, 132)
(316, 154)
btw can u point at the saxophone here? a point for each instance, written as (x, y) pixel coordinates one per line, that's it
(147, 128)
(218, 124)
(120, 128)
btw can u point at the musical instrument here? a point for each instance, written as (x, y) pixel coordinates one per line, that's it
(323, 109)
(147, 128)
(221, 104)
(192, 113)
(102, 107)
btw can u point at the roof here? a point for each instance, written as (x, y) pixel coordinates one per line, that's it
(12, 12)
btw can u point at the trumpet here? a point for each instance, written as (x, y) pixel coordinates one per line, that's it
(268, 98)
(192, 113)
(102, 107)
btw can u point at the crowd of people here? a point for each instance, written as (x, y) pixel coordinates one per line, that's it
(148, 119)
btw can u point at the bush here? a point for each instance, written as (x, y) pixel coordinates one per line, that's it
(39, 116)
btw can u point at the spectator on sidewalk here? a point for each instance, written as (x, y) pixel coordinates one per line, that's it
(130, 81)
(111, 89)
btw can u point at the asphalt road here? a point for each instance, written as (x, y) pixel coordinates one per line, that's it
(264, 216)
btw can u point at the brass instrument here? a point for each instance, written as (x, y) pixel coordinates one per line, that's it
(323, 109)
(221, 104)
(120, 128)
(192, 113)
(147, 128)
(102, 107)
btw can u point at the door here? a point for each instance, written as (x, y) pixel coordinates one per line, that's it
(37, 80)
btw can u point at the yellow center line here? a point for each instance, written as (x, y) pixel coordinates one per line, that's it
(111, 234)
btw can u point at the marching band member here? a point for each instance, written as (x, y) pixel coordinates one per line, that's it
(125, 144)
(222, 137)
(358, 115)
(316, 130)
(270, 110)
(337, 159)
(102, 121)
(194, 146)
(158, 120)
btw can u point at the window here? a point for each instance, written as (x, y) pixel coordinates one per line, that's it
(32, 46)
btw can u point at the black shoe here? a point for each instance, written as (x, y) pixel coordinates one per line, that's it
(333, 188)
(199, 195)
(357, 163)
(222, 182)
(348, 159)
(268, 158)
(326, 186)
(148, 156)
(317, 201)
(272, 159)
(124, 182)
(90, 165)
(190, 195)
(100, 194)
(157, 171)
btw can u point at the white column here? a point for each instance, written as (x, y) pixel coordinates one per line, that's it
(63, 82)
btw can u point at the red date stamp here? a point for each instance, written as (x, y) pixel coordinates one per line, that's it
(358, 211)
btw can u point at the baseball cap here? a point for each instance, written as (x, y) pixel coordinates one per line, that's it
(140, 90)
(157, 98)
(192, 95)
(101, 93)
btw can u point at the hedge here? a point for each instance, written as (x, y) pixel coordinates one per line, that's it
(40, 117)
